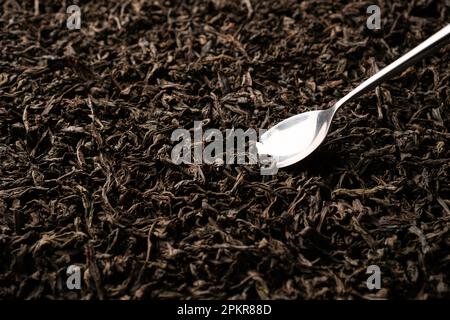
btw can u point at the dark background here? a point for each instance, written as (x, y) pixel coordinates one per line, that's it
(86, 177)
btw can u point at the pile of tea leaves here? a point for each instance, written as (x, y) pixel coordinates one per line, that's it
(86, 175)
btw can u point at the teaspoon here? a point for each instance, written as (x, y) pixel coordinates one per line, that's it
(294, 138)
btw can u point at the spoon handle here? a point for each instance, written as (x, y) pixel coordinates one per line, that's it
(436, 41)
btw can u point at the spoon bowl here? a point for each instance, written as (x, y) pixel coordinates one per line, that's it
(295, 138)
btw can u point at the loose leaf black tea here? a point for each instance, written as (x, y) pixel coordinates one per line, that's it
(88, 186)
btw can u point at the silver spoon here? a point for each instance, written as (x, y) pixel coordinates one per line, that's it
(295, 138)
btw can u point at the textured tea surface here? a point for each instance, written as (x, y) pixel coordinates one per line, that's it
(86, 177)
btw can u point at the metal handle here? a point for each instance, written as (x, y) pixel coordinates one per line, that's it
(436, 41)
